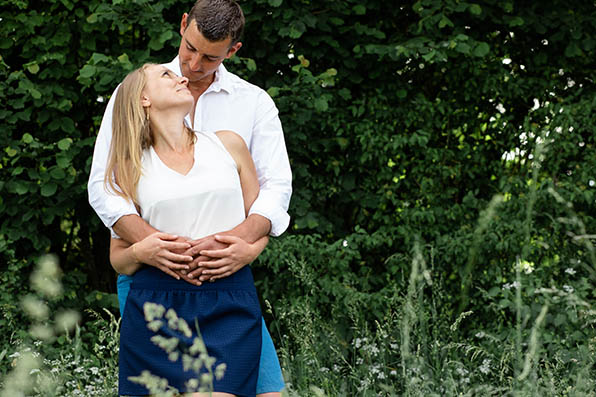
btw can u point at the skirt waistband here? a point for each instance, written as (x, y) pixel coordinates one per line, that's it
(152, 278)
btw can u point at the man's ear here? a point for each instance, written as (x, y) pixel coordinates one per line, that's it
(233, 49)
(183, 23)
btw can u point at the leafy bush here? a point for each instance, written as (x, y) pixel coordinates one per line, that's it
(403, 122)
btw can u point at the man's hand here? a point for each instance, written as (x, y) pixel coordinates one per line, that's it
(209, 243)
(234, 254)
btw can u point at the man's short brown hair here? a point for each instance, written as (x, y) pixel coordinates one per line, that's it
(218, 20)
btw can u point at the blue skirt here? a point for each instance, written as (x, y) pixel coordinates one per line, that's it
(229, 319)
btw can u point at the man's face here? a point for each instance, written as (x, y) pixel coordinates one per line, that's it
(199, 57)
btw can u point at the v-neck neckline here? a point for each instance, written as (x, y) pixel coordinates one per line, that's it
(194, 161)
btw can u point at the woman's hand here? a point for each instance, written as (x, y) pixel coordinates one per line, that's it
(157, 250)
(228, 260)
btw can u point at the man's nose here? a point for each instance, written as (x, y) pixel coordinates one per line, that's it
(195, 62)
(183, 80)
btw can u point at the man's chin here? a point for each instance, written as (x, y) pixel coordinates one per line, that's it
(194, 76)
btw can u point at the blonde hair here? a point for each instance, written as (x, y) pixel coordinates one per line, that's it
(131, 134)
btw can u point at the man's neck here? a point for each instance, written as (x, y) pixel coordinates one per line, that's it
(197, 88)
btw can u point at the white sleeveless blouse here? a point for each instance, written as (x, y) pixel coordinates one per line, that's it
(205, 201)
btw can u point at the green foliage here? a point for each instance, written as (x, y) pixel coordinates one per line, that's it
(402, 120)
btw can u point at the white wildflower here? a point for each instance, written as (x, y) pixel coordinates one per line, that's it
(480, 335)
(393, 372)
(569, 289)
(324, 369)
(526, 267)
(514, 285)
(485, 367)
(570, 270)
(345, 243)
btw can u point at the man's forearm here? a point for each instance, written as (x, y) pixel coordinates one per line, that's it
(132, 228)
(252, 229)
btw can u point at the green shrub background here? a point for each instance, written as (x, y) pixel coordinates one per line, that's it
(403, 122)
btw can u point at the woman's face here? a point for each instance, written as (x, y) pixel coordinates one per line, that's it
(164, 90)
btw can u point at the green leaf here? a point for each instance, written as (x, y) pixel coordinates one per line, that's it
(10, 151)
(475, 9)
(165, 36)
(297, 29)
(321, 104)
(92, 18)
(515, 21)
(275, 3)
(33, 68)
(303, 61)
(573, 50)
(67, 4)
(27, 138)
(481, 49)
(57, 173)
(64, 144)
(49, 189)
(445, 22)
(123, 59)
(34, 93)
(5, 42)
(428, 57)
(62, 161)
(21, 188)
(87, 71)
(402, 93)
(336, 21)
(359, 9)
(273, 91)
(589, 44)
(251, 64)
(99, 58)
(463, 48)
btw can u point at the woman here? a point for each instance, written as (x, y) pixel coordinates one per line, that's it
(190, 184)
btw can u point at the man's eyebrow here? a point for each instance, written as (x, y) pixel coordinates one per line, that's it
(194, 49)
(188, 44)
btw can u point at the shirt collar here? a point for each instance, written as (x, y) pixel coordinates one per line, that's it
(222, 79)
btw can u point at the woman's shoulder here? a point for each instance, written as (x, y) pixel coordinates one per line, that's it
(235, 145)
(231, 140)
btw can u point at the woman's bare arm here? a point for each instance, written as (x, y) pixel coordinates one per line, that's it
(154, 250)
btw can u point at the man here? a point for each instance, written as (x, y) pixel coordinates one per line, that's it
(210, 33)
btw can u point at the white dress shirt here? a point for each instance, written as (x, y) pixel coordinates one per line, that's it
(230, 103)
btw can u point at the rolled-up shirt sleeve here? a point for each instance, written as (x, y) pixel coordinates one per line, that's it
(268, 149)
(109, 206)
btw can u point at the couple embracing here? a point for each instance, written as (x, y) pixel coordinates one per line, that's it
(191, 174)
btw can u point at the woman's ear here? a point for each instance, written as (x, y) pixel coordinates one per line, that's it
(145, 102)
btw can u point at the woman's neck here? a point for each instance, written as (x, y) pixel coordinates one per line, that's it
(169, 133)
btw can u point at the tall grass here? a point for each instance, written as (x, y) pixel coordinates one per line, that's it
(529, 335)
